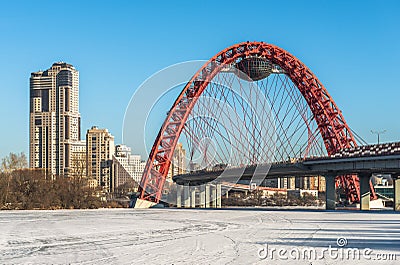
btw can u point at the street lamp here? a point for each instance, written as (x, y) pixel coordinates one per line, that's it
(378, 133)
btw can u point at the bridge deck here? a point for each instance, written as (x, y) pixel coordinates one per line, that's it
(388, 163)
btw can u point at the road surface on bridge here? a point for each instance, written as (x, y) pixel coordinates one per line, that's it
(187, 236)
(338, 166)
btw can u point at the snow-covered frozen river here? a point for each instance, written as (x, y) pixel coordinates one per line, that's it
(184, 236)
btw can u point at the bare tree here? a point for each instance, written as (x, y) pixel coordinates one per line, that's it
(79, 165)
(13, 162)
(129, 186)
(8, 165)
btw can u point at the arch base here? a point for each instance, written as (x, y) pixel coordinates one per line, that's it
(142, 204)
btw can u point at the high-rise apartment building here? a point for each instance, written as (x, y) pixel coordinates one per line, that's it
(321, 184)
(54, 122)
(99, 152)
(286, 183)
(178, 162)
(311, 183)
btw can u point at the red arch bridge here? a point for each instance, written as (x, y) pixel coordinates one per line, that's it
(252, 104)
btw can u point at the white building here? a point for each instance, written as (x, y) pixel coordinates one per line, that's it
(126, 165)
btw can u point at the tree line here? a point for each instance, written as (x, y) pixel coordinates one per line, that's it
(22, 188)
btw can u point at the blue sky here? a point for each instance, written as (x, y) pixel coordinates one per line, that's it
(352, 46)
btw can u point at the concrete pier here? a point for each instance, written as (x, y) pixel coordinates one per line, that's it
(213, 197)
(218, 188)
(186, 197)
(193, 197)
(179, 196)
(364, 191)
(202, 197)
(209, 196)
(330, 194)
(396, 186)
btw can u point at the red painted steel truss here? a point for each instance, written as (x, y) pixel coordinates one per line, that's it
(331, 124)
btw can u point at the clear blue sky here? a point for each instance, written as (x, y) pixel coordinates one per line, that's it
(352, 46)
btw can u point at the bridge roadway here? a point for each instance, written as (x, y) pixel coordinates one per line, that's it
(363, 164)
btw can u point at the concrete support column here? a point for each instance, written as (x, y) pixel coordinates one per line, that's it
(396, 187)
(213, 196)
(330, 193)
(202, 196)
(193, 197)
(218, 189)
(364, 191)
(207, 196)
(179, 196)
(186, 197)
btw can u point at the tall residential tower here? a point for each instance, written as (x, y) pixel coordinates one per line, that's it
(99, 152)
(54, 124)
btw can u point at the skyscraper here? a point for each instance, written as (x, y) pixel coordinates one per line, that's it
(54, 124)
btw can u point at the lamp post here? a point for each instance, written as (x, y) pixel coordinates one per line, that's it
(378, 133)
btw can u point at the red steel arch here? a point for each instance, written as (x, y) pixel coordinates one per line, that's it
(331, 124)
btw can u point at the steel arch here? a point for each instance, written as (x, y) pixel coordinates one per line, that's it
(331, 124)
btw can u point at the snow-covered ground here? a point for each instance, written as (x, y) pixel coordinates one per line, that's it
(184, 236)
